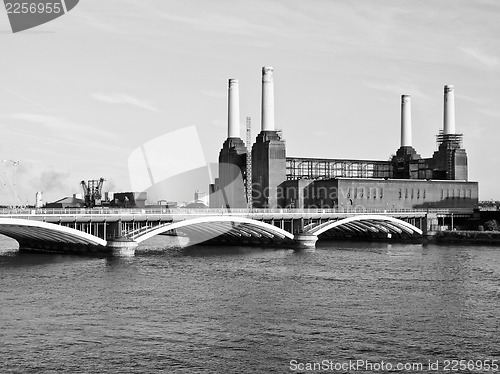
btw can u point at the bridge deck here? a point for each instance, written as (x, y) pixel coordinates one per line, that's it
(52, 229)
(141, 215)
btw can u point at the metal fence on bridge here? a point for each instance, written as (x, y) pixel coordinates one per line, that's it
(220, 211)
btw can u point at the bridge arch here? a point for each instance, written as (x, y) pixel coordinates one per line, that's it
(213, 226)
(369, 223)
(25, 230)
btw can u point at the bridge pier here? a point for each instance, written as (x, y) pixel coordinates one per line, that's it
(122, 246)
(305, 240)
(431, 224)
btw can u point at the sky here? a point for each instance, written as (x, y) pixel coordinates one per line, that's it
(79, 95)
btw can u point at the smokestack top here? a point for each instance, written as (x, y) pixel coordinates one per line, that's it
(449, 88)
(267, 74)
(405, 98)
(233, 81)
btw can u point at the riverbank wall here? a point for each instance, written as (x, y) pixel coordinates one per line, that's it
(468, 237)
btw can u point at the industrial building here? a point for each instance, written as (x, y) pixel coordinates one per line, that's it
(66, 202)
(270, 179)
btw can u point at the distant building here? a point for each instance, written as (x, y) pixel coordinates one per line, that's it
(39, 200)
(129, 199)
(166, 204)
(405, 181)
(377, 193)
(201, 198)
(67, 202)
(196, 205)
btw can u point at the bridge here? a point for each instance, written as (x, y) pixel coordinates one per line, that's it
(102, 230)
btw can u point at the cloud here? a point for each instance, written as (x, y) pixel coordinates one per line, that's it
(62, 129)
(485, 59)
(19, 183)
(489, 112)
(51, 122)
(50, 180)
(398, 88)
(214, 94)
(227, 23)
(25, 98)
(117, 98)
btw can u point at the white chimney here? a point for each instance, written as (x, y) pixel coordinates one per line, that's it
(233, 130)
(267, 117)
(406, 121)
(449, 110)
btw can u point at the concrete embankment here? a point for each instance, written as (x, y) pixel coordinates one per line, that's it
(468, 237)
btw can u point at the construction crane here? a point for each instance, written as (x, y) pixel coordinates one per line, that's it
(249, 164)
(92, 192)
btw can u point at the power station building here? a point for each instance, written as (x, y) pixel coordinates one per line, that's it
(406, 181)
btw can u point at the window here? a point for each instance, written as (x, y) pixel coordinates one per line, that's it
(360, 192)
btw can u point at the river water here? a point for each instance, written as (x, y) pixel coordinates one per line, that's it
(250, 310)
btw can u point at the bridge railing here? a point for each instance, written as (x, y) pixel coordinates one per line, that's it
(218, 211)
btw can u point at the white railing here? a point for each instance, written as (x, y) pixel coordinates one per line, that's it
(210, 211)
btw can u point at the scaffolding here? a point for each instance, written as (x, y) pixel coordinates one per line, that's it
(309, 168)
(451, 140)
(249, 164)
